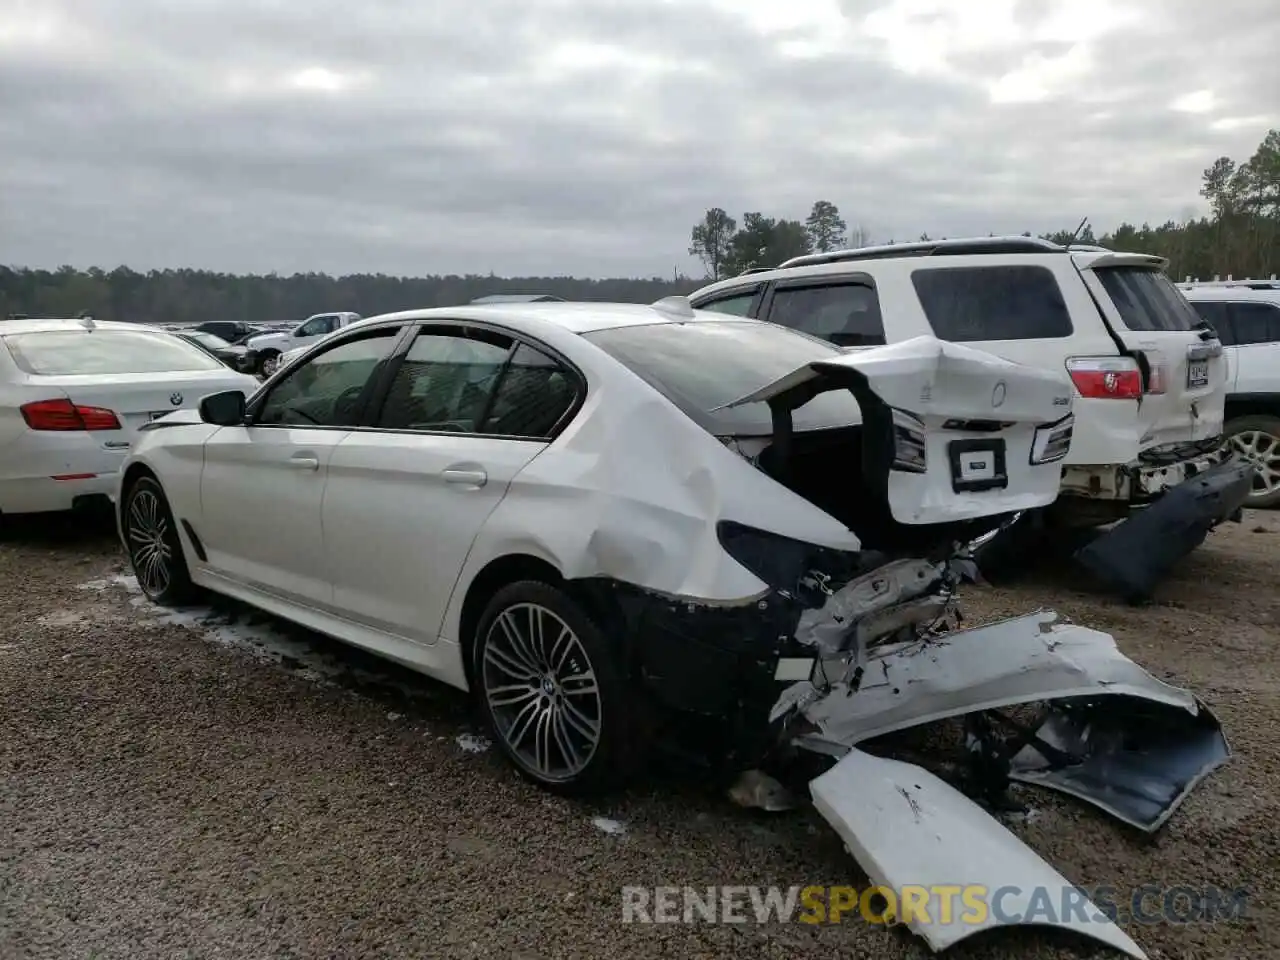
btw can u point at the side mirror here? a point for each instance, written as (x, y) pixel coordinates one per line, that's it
(225, 409)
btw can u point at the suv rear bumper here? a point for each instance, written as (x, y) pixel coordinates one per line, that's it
(1143, 480)
(1133, 556)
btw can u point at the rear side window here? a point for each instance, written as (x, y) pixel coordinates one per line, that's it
(66, 353)
(1147, 300)
(846, 314)
(737, 306)
(964, 304)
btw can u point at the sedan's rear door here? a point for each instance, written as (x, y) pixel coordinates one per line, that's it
(464, 411)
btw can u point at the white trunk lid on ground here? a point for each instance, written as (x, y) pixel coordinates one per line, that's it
(910, 831)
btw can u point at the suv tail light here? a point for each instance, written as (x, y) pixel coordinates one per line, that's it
(1052, 441)
(65, 415)
(1106, 378)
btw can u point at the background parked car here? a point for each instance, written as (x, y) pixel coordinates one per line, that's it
(235, 356)
(73, 395)
(1246, 315)
(1149, 376)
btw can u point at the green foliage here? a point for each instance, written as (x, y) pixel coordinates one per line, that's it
(177, 296)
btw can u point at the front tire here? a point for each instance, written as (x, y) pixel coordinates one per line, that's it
(1257, 439)
(155, 550)
(551, 691)
(268, 363)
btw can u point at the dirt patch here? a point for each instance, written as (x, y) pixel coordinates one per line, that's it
(201, 788)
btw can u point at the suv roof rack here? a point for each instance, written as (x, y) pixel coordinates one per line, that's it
(756, 270)
(937, 248)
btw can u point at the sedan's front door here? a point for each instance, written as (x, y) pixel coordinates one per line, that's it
(464, 413)
(262, 484)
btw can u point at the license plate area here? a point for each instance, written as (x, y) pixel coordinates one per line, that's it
(978, 465)
(1197, 374)
(157, 414)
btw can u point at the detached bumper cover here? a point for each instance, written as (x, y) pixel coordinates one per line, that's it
(1136, 554)
(909, 829)
(1114, 736)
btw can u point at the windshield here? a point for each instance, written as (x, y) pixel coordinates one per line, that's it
(1147, 300)
(60, 353)
(210, 341)
(702, 365)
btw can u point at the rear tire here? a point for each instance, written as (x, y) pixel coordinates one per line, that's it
(552, 692)
(1257, 439)
(155, 551)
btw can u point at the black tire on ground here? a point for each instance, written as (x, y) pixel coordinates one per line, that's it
(266, 355)
(1265, 426)
(154, 547)
(532, 695)
(1007, 555)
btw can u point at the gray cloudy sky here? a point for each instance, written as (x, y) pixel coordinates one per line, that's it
(586, 136)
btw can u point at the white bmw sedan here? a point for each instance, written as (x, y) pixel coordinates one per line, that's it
(73, 394)
(604, 519)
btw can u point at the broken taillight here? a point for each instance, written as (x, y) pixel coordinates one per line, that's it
(909, 451)
(1052, 441)
(1106, 378)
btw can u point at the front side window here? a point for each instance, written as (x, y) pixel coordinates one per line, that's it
(964, 304)
(1255, 322)
(330, 389)
(318, 325)
(67, 353)
(444, 383)
(1214, 313)
(701, 366)
(846, 314)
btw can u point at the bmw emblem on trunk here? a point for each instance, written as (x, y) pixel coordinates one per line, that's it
(998, 394)
(175, 399)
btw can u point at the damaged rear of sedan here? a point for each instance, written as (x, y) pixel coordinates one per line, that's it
(625, 525)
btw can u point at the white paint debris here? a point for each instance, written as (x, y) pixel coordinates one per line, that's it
(127, 581)
(473, 743)
(8, 647)
(615, 828)
(394, 716)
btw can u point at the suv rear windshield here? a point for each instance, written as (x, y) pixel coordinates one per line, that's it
(964, 304)
(701, 365)
(67, 353)
(1147, 300)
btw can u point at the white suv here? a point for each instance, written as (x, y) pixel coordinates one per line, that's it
(1149, 373)
(1246, 315)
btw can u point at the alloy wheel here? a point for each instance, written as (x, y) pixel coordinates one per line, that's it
(542, 692)
(1262, 449)
(146, 531)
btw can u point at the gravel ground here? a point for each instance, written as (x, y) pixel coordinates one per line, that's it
(240, 789)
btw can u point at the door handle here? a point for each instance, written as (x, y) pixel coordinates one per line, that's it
(305, 463)
(473, 478)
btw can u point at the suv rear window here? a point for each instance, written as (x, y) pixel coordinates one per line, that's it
(68, 353)
(700, 366)
(1147, 300)
(964, 304)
